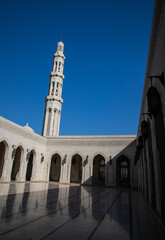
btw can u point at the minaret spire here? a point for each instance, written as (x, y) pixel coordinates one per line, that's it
(53, 101)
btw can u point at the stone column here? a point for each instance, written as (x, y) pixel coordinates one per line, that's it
(148, 160)
(36, 167)
(106, 173)
(54, 120)
(63, 176)
(46, 121)
(58, 122)
(68, 170)
(157, 169)
(90, 166)
(61, 173)
(46, 171)
(51, 86)
(51, 122)
(48, 159)
(8, 161)
(83, 172)
(22, 170)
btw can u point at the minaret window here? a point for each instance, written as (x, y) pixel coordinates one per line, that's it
(57, 89)
(59, 66)
(56, 66)
(52, 89)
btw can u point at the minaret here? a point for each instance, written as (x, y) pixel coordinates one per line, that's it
(53, 101)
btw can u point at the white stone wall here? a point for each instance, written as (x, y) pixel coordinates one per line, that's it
(66, 147)
(16, 135)
(91, 146)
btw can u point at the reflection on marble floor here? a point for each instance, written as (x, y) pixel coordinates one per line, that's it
(53, 211)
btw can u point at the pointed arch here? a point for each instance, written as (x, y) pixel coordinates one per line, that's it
(16, 163)
(98, 170)
(151, 165)
(77, 153)
(122, 171)
(3, 153)
(55, 168)
(154, 101)
(99, 153)
(76, 169)
(21, 145)
(6, 142)
(30, 165)
(56, 152)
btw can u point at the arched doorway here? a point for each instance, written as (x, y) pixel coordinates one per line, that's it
(155, 108)
(3, 146)
(76, 169)
(123, 171)
(98, 170)
(29, 166)
(55, 168)
(16, 164)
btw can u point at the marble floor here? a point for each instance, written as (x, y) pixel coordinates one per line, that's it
(56, 211)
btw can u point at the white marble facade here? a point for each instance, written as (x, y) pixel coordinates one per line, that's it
(44, 148)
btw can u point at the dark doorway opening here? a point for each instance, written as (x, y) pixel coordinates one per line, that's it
(16, 164)
(123, 171)
(55, 168)
(29, 167)
(76, 169)
(2, 156)
(98, 170)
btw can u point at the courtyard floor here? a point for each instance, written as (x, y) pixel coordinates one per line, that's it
(57, 211)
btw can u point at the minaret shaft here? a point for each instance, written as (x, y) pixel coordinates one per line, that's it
(53, 101)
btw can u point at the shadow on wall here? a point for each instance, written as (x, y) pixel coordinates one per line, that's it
(117, 171)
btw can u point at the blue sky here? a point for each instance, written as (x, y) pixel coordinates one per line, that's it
(106, 46)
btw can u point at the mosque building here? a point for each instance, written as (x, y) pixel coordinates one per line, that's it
(135, 161)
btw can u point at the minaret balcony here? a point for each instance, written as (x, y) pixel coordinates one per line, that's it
(59, 54)
(54, 98)
(58, 74)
